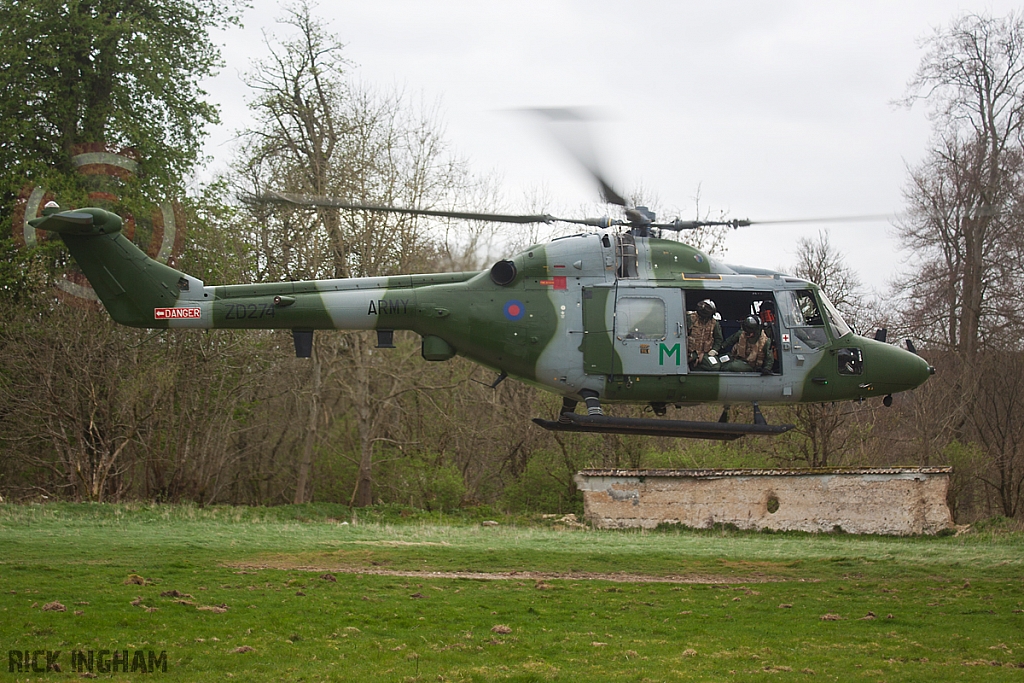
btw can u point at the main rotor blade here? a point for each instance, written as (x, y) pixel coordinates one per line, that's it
(522, 219)
(829, 219)
(679, 225)
(570, 129)
(305, 200)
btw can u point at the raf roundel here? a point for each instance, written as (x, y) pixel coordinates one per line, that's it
(514, 309)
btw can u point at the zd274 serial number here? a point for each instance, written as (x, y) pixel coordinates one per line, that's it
(249, 311)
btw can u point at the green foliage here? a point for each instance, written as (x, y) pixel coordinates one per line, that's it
(998, 525)
(963, 457)
(114, 75)
(109, 71)
(422, 481)
(26, 273)
(411, 481)
(215, 251)
(443, 488)
(968, 462)
(544, 486)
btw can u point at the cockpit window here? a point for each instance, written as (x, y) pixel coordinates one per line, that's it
(835, 321)
(800, 313)
(851, 361)
(803, 309)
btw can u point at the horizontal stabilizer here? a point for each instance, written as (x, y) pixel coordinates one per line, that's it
(683, 429)
(81, 222)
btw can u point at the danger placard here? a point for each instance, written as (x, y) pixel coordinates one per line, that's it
(191, 313)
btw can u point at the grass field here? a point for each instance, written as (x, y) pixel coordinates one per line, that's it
(310, 593)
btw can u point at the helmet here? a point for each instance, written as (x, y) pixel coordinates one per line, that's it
(706, 309)
(750, 324)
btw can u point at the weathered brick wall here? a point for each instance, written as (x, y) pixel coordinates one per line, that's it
(895, 501)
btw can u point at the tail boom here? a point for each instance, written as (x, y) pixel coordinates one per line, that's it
(141, 292)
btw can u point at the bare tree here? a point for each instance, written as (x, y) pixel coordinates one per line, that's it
(820, 262)
(999, 429)
(963, 222)
(321, 135)
(964, 230)
(88, 412)
(299, 87)
(825, 432)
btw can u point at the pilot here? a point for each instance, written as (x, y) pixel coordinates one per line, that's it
(750, 349)
(703, 337)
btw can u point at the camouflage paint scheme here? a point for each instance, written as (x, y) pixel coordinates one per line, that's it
(552, 326)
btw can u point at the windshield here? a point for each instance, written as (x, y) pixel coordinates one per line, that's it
(835, 321)
(800, 309)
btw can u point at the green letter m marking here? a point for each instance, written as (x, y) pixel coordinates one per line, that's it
(664, 350)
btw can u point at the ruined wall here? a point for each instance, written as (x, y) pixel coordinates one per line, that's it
(895, 501)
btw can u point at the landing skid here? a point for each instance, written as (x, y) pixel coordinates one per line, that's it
(683, 429)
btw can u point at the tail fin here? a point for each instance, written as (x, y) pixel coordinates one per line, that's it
(129, 283)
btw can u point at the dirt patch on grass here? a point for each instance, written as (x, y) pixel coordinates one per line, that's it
(387, 544)
(621, 577)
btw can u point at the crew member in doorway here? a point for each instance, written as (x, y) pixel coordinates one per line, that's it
(751, 349)
(703, 337)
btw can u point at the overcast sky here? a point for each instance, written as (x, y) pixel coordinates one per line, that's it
(775, 110)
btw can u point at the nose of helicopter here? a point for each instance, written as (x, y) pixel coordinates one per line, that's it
(892, 369)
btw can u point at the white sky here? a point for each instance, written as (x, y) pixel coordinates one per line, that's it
(775, 110)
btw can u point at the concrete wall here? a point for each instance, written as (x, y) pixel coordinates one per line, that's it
(895, 501)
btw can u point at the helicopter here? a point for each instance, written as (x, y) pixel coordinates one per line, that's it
(597, 317)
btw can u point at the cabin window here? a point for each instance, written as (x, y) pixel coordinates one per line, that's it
(625, 256)
(640, 317)
(801, 314)
(851, 361)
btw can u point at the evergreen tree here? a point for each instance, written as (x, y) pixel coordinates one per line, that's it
(124, 73)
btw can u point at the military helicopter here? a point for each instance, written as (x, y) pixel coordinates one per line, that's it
(599, 316)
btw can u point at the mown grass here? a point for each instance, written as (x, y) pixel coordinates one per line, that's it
(944, 608)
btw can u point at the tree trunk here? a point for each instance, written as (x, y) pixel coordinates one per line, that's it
(306, 462)
(363, 494)
(974, 275)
